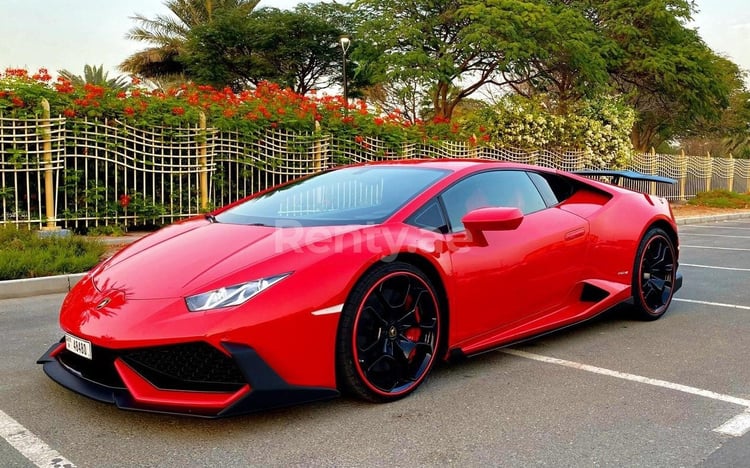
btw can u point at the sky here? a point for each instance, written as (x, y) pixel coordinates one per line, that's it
(68, 34)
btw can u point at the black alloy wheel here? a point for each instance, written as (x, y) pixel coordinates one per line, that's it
(654, 274)
(389, 333)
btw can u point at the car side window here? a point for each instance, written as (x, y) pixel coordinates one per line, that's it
(511, 188)
(554, 188)
(429, 217)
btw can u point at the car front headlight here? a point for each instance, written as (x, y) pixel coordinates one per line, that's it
(231, 295)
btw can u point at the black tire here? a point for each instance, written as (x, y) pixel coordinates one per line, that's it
(654, 274)
(389, 333)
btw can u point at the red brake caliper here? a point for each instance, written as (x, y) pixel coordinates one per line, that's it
(413, 333)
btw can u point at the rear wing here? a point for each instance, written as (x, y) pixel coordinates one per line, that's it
(616, 175)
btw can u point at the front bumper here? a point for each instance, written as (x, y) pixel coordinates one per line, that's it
(245, 383)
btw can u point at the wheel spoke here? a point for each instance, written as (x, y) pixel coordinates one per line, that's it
(410, 313)
(383, 301)
(657, 283)
(381, 372)
(367, 346)
(376, 314)
(406, 346)
(428, 326)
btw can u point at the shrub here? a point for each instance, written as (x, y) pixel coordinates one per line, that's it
(24, 254)
(721, 199)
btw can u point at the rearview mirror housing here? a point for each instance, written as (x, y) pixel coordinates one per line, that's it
(482, 220)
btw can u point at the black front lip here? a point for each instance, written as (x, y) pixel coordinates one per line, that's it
(678, 282)
(268, 389)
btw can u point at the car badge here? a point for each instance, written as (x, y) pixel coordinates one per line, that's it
(103, 304)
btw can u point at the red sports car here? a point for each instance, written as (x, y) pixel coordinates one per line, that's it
(358, 279)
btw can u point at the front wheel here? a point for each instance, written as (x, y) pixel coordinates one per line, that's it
(654, 274)
(389, 333)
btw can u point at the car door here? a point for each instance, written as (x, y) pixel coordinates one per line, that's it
(518, 275)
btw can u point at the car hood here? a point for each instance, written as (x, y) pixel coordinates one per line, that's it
(198, 256)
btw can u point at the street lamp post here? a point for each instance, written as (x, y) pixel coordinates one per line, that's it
(345, 42)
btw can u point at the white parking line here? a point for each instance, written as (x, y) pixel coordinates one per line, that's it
(737, 426)
(715, 304)
(29, 445)
(715, 226)
(713, 267)
(682, 246)
(683, 234)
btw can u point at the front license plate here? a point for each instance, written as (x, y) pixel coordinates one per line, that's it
(78, 346)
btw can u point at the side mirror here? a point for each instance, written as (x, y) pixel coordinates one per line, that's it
(481, 220)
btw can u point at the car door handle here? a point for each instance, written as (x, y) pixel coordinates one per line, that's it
(575, 234)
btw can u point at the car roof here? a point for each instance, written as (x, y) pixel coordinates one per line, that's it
(456, 165)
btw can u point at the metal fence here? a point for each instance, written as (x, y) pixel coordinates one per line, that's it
(80, 173)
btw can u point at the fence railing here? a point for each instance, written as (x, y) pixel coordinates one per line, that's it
(73, 173)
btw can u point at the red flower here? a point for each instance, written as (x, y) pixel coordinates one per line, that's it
(93, 91)
(178, 110)
(378, 121)
(129, 111)
(64, 86)
(18, 102)
(69, 113)
(124, 200)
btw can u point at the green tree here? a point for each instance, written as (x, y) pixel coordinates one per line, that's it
(167, 34)
(666, 71)
(736, 128)
(729, 134)
(96, 76)
(297, 49)
(452, 48)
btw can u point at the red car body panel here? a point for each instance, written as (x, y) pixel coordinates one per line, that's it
(525, 280)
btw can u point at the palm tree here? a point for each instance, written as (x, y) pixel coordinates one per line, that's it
(95, 75)
(167, 34)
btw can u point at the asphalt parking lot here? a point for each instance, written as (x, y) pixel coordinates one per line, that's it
(611, 392)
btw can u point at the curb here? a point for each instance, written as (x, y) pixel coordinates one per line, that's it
(38, 286)
(60, 284)
(712, 218)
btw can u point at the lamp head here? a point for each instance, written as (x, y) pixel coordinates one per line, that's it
(345, 42)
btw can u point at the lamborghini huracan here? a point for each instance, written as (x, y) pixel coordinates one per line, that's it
(360, 279)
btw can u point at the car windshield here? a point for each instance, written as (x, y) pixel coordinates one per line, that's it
(353, 195)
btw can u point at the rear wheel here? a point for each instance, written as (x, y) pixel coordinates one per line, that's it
(389, 333)
(654, 274)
